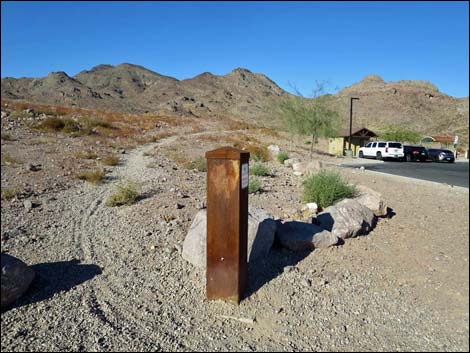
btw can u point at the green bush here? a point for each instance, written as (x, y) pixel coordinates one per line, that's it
(126, 194)
(259, 169)
(258, 153)
(325, 188)
(254, 185)
(282, 156)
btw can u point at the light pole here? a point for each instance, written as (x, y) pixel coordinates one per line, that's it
(350, 122)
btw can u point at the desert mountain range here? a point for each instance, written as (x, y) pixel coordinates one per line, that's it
(240, 94)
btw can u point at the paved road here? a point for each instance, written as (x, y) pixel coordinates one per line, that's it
(449, 173)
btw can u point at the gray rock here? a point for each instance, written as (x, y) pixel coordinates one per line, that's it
(291, 161)
(274, 150)
(371, 199)
(261, 230)
(16, 278)
(347, 219)
(300, 236)
(28, 204)
(302, 168)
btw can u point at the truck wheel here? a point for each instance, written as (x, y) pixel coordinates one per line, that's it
(361, 155)
(408, 158)
(379, 156)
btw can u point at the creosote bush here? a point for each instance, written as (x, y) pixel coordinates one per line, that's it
(86, 155)
(67, 125)
(326, 187)
(258, 153)
(254, 185)
(126, 194)
(92, 176)
(259, 169)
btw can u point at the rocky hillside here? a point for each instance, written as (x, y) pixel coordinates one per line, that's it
(132, 88)
(241, 94)
(415, 104)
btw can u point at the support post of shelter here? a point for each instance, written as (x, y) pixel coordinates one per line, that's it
(227, 224)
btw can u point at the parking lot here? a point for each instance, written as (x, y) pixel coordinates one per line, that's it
(456, 174)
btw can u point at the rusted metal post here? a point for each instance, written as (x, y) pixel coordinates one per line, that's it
(227, 223)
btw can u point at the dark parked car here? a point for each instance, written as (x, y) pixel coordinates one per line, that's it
(441, 155)
(415, 153)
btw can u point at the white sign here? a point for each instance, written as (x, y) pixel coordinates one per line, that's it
(456, 140)
(244, 175)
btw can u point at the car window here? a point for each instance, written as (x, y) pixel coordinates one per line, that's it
(447, 151)
(369, 145)
(381, 144)
(394, 145)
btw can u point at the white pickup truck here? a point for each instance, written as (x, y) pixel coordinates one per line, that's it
(382, 150)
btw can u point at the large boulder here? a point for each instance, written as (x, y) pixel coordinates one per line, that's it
(302, 168)
(261, 230)
(16, 278)
(347, 219)
(300, 236)
(371, 199)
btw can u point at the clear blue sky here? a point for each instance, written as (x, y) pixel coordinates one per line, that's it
(296, 42)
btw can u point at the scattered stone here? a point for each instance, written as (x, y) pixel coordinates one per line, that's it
(28, 204)
(274, 150)
(347, 219)
(291, 161)
(179, 206)
(33, 167)
(300, 236)
(371, 199)
(261, 230)
(16, 278)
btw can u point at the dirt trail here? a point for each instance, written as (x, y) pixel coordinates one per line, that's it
(133, 291)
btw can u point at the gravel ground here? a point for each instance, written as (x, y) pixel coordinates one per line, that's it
(113, 279)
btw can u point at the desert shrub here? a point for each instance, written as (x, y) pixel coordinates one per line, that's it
(282, 156)
(401, 134)
(259, 169)
(254, 185)
(258, 153)
(7, 159)
(92, 176)
(110, 160)
(199, 164)
(9, 193)
(325, 188)
(86, 155)
(126, 194)
(67, 125)
(19, 115)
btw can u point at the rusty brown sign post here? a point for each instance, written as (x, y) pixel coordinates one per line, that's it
(227, 223)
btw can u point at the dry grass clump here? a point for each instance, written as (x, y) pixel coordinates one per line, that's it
(9, 193)
(126, 194)
(254, 185)
(66, 125)
(92, 176)
(110, 160)
(198, 164)
(7, 159)
(86, 155)
(258, 153)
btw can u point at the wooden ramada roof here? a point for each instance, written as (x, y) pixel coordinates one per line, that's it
(357, 132)
(449, 139)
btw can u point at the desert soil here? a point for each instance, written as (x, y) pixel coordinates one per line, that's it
(113, 279)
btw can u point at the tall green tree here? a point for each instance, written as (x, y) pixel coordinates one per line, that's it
(401, 134)
(309, 116)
